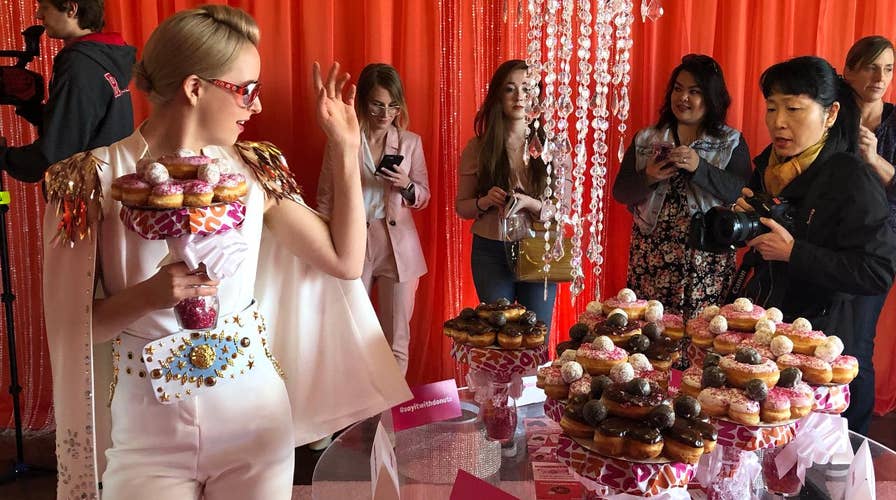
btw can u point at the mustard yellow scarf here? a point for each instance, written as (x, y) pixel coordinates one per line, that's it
(779, 173)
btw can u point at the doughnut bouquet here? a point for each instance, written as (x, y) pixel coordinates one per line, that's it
(625, 433)
(818, 357)
(185, 199)
(502, 324)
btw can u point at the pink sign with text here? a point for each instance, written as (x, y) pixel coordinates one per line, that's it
(431, 403)
(467, 486)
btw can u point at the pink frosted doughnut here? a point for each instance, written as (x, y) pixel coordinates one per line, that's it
(635, 310)
(590, 352)
(815, 370)
(844, 369)
(130, 190)
(698, 330)
(673, 325)
(591, 319)
(738, 374)
(777, 399)
(715, 401)
(552, 376)
(804, 342)
(800, 395)
(581, 387)
(740, 403)
(728, 342)
(740, 320)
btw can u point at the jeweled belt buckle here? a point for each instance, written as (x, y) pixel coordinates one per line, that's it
(181, 364)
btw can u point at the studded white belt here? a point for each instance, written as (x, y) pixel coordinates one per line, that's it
(186, 363)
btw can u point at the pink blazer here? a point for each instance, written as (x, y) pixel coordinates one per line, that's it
(399, 221)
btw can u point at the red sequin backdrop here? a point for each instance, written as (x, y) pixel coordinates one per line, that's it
(445, 51)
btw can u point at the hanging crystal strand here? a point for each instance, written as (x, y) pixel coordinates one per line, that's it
(601, 125)
(651, 9)
(622, 68)
(548, 108)
(533, 80)
(561, 143)
(583, 78)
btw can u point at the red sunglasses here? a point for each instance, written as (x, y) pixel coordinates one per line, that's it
(249, 92)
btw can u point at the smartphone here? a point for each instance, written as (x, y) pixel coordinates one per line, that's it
(390, 163)
(661, 151)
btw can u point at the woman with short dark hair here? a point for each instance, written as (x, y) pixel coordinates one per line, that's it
(838, 246)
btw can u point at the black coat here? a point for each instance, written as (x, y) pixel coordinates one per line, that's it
(843, 246)
(89, 106)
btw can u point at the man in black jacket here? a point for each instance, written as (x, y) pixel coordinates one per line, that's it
(89, 104)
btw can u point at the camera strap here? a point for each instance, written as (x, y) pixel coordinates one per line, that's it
(739, 283)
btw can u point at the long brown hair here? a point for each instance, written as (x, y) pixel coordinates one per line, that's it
(490, 127)
(386, 77)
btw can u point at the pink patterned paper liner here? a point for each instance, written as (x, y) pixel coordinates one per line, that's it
(833, 399)
(621, 475)
(553, 409)
(502, 363)
(154, 224)
(695, 355)
(754, 437)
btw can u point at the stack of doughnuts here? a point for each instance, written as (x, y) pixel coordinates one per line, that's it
(748, 388)
(181, 180)
(635, 420)
(503, 323)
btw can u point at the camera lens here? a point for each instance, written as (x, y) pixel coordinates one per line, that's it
(734, 228)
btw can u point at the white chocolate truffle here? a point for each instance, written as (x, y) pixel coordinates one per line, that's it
(640, 363)
(594, 307)
(826, 352)
(224, 166)
(710, 312)
(568, 355)
(618, 311)
(154, 173)
(743, 304)
(184, 153)
(763, 336)
(571, 371)
(626, 295)
(210, 173)
(653, 314)
(802, 325)
(774, 314)
(603, 343)
(621, 373)
(656, 303)
(766, 324)
(830, 349)
(780, 346)
(718, 325)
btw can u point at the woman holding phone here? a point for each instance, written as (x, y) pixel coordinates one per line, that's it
(688, 162)
(394, 182)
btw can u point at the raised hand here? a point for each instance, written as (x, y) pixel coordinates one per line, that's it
(336, 107)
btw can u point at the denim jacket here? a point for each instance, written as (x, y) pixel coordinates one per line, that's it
(715, 151)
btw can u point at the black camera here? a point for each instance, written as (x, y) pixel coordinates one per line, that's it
(721, 229)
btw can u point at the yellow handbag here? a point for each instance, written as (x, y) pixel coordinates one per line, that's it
(527, 258)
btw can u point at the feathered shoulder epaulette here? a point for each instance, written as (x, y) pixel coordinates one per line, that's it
(74, 188)
(270, 169)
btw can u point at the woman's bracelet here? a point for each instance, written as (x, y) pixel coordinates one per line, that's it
(477, 206)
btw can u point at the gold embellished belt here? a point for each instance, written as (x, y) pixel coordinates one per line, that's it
(186, 363)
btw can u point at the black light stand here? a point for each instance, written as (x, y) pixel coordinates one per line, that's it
(19, 469)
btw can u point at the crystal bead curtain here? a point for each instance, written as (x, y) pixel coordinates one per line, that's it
(603, 72)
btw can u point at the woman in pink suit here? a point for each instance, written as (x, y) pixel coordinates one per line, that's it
(394, 260)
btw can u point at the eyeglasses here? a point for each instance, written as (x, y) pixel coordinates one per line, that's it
(376, 109)
(249, 92)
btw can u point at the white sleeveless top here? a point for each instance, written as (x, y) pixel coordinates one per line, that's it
(127, 259)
